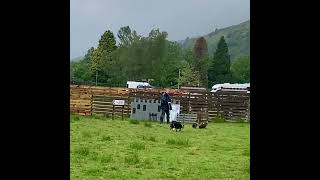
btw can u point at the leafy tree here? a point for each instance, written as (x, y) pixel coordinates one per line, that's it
(101, 57)
(188, 76)
(219, 67)
(89, 55)
(126, 36)
(79, 71)
(241, 69)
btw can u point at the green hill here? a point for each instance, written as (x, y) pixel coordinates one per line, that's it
(237, 38)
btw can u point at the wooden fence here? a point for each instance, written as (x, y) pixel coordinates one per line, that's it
(87, 100)
(80, 100)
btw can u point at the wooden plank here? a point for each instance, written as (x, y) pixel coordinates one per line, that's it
(234, 105)
(109, 113)
(102, 107)
(181, 119)
(233, 95)
(108, 98)
(213, 114)
(102, 102)
(80, 96)
(199, 106)
(234, 109)
(231, 92)
(80, 106)
(190, 117)
(187, 115)
(234, 99)
(107, 107)
(199, 102)
(187, 119)
(80, 110)
(79, 100)
(105, 103)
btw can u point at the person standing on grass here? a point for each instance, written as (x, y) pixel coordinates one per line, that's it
(165, 106)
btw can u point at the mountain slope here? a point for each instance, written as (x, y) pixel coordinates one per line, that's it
(237, 38)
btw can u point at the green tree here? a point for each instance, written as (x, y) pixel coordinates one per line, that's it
(154, 62)
(80, 70)
(188, 76)
(101, 57)
(169, 67)
(89, 54)
(219, 67)
(241, 69)
(126, 36)
(188, 56)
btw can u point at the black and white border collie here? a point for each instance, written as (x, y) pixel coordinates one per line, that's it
(176, 125)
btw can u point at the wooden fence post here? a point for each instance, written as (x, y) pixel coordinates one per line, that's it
(128, 106)
(189, 106)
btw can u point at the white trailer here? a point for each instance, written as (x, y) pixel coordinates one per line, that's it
(135, 84)
(231, 87)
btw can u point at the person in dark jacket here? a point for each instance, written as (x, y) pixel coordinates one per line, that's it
(165, 103)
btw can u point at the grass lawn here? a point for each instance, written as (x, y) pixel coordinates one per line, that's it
(102, 148)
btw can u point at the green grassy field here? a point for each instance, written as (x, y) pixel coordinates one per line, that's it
(102, 148)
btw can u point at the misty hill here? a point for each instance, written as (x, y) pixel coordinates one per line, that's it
(236, 36)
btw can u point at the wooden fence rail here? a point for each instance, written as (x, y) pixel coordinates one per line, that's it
(88, 100)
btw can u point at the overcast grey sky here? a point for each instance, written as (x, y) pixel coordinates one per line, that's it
(180, 18)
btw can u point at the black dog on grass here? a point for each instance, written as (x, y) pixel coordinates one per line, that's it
(201, 125)
(176, 125)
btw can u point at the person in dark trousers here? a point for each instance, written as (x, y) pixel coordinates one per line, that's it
(165, 103)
